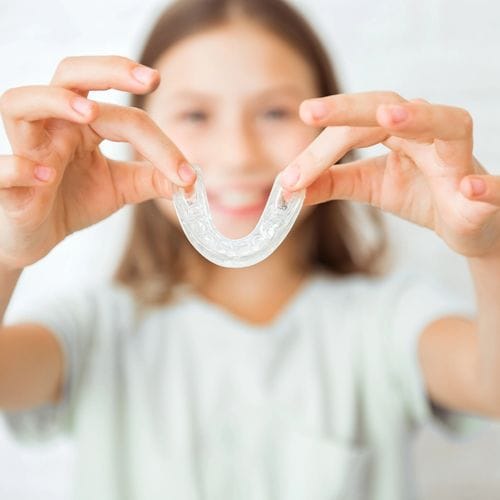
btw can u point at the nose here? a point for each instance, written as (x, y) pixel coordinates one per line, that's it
(239, 151)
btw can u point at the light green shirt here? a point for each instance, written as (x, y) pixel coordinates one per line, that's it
(188, 402)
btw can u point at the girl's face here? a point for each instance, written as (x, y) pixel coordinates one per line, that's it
(229, 100)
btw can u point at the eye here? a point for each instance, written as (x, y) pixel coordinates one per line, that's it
(195, 116)
(277, 113)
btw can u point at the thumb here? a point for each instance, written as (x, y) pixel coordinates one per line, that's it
(358, 181)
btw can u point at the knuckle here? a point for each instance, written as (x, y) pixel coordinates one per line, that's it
(419, 100)
(6, 99)
(113, 59)
(467, 122)
(9, 175)
(339, 102)
(309, 160)
(157, 181)
(329, 186)
(392, 96)
(359, 179)
(136, 187)
(64, 64)
(120, 65)
(346, 135)
(16, 207)
(138, 116)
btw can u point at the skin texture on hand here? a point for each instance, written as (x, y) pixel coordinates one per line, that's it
(57, 181)
(428, 177)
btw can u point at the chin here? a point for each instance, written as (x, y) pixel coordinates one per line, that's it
(233, 228)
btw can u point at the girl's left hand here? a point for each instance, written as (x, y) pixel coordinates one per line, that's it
(429, 176)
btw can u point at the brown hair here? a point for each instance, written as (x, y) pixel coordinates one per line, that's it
(152, 263)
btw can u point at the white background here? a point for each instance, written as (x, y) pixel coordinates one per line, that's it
(442, 50)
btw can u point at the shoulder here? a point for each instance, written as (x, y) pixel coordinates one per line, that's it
(400, 297)
(83, 311)
(115, 307)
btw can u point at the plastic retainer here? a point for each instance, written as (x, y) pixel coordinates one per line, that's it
(274, 224)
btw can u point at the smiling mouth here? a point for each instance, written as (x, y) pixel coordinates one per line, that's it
(239, 202)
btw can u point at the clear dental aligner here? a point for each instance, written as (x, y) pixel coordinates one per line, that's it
(274, 224)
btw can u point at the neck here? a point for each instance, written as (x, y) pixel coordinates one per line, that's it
(259, 292)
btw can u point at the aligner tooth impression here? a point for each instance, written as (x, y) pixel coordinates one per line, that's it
(274, 224)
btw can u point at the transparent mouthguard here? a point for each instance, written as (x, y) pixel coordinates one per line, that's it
(274, 224)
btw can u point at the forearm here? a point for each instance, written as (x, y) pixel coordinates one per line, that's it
(8, 280)
(486, 276)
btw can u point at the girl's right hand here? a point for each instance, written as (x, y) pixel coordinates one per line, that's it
(57, 181)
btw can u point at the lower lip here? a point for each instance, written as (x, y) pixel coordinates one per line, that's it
(247, 211)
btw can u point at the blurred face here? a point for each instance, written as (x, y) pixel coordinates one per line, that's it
(229, 100)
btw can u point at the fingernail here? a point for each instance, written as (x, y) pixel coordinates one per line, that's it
(186, 173)
(290, 176)
(398, 114)
(143, 74)
(317, 109)
(44, 173)
(478, 186)
(82, 106)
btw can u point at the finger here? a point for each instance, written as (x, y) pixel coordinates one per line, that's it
(358, 181)
(416, 119)
(139, 181)
(425, 122)
(135, 126)
(481, 188)
(23, 110)
(327, 149)
(356, 110)
(21, 172)
(449, 128)
(39, 102)
(85, 73)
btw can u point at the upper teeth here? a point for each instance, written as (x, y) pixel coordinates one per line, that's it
(239, 198)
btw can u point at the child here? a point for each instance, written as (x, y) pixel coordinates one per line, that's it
(300, 377)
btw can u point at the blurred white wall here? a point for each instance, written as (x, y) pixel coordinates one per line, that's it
(442, 50)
